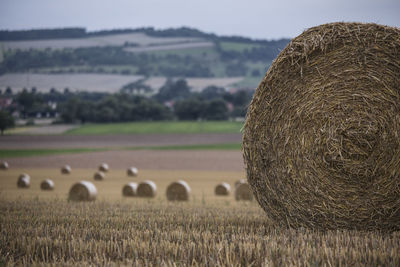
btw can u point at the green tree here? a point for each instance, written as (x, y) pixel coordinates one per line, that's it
(212, 92)
(189, 109)
(173, 90)
(216, 110)
(6, 121)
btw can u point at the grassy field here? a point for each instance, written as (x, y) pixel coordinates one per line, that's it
(39, 228)
(238, 47)
(13, 153)
(184, 127)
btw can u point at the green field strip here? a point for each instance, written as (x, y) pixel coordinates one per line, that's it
(16, 153)
(162, 127)
(228, 146)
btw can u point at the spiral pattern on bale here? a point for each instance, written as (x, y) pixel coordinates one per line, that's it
(321, 141)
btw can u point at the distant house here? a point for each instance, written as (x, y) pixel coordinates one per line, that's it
(5, 102)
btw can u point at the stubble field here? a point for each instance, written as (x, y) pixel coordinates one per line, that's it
(44, 228)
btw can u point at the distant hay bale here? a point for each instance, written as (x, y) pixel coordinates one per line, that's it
(47, 185)
(83, 191)
(241, 181)
(147, 189)
(178, 191)
(66, 169)
(3, 165)
(99, 176)
(24, 181)
(222, 189)
(104, 167)
(132, 171)
(321, 141)
(130, 190)
(243, 192)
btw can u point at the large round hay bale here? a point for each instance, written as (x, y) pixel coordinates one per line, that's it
(24, 181)
(3, 165)
(83, 191)
(47, 185)
(66, 169)
(222, 189)
(147, 189)
(321, 138)
(130, 190)
(104, 167)
(178, 191)
(99, 176)
(132, 171)
(243, 192)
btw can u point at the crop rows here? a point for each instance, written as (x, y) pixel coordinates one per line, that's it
(149, 233)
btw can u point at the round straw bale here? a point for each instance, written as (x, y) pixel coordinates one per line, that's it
(147, 189)
(243, 192)
(24, 181)
(3, 165)
(321, 138)
(179, 191)
(222, 189)
(104, 167)
(83, 191)
(99, 176)
(132, 171)
(241, 181)
(66, 169)
(130, 190)
(47, 185)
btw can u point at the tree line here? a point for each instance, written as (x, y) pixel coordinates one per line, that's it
(174, 100)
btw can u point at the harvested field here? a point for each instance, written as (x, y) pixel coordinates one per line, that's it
(169, 47)
(109, 83)
(201, 182)
(114, 141)
(108, 40)
(151, 232)
(143, 159)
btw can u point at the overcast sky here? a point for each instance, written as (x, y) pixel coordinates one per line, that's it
(261, 19)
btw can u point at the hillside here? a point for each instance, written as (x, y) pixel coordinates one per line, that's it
(144, 52)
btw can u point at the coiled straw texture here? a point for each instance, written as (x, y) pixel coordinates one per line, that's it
(321, 139)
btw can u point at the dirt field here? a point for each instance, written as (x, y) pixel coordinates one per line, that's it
(204, 160)
(75, 82)
(110, 83)
(113, 141)
(109, 40)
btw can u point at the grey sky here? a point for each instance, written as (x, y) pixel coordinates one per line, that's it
(253, 18)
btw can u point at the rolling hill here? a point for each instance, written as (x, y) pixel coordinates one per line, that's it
(107, 60)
